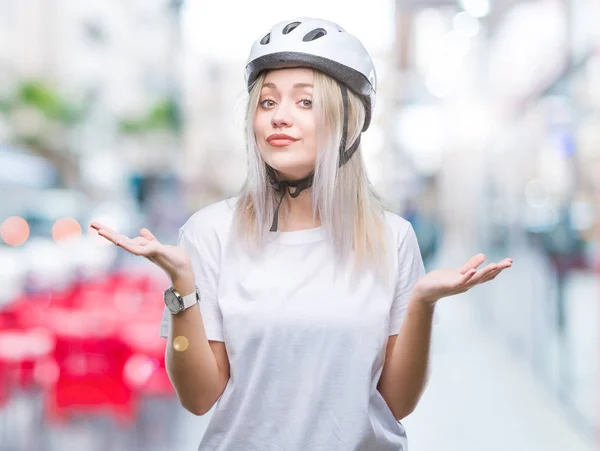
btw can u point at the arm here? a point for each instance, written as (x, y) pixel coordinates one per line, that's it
(199, 373)
(199, 370)
(406, 369)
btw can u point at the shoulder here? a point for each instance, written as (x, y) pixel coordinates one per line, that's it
(397, 226)
(213, 219)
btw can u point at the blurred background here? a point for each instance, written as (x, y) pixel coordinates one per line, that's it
(486, 137)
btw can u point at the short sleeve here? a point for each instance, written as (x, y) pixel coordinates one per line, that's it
(205, 265)
(410, 269)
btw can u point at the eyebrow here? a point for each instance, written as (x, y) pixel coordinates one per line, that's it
(297, 85)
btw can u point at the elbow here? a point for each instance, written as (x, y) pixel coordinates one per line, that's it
(196, 405)
(196, 409)
(403, 411)
(199, 404)
(405, 407)
(401, 407)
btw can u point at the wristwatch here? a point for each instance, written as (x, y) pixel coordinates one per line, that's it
(177, 303)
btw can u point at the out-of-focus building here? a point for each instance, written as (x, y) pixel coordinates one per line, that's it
(117, 59)
(498, 103)
(214, 164)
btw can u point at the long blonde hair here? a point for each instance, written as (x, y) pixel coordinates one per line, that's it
(350, 210)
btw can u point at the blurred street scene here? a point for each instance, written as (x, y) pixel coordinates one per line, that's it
(486, 136)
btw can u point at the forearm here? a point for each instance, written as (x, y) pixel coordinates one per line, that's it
(406, 371)
(193, 371)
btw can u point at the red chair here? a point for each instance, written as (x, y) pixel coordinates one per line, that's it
(145, 371)
(20, 351)
(4, 374)
(102, 346)
(90, 360)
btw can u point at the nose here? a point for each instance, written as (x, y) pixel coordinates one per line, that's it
(281, 117)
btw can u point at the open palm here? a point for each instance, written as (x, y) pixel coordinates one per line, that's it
(171, 259)
(448, 282)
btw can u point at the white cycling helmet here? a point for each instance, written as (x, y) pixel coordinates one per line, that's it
(319, 44)
(324, 46)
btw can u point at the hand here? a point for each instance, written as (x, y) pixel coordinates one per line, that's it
(448, 282)
(171, 259)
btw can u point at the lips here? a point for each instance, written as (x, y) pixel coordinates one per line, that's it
(280, 140)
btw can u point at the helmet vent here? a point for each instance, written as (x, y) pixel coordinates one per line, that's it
(314, 34)
(266, 39)
(290, 27)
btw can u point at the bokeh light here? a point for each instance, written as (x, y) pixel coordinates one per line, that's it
(138, 369)
(14, 231)
(180, 343)
(66, 228)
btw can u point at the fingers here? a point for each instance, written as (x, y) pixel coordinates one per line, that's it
(107, 232)
(112, 236)
(136, 246)
(481, 274)
(117, 238)
(473, 262)
(506, 263)
(147, 234)
(491, 271)
(132, 247)
(470, 273)
(98, 226)
(491, 276)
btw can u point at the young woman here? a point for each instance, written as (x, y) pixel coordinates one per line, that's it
(301, 305)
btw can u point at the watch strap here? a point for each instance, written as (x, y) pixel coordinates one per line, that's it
(191, 299)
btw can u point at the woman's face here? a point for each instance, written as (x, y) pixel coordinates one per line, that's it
(284, 123)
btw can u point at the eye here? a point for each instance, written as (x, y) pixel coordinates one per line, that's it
(265, 103)
(306, 103)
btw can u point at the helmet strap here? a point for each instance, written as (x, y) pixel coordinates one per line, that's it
(346, 154)
(300, 186)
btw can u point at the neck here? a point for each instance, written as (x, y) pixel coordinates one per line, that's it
(299, 213)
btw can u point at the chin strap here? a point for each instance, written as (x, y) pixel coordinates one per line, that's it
(306, 182)
(300, 186)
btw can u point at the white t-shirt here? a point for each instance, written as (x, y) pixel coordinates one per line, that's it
(306, 351)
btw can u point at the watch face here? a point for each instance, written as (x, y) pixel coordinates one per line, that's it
(171, 301)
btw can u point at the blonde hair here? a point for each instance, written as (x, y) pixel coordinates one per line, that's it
(350, 210)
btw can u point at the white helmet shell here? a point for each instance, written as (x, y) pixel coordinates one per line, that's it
(321, 45)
